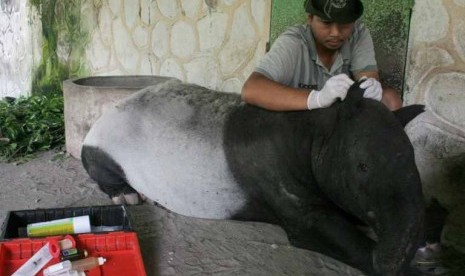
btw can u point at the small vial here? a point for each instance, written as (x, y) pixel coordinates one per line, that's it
(49, 251)
(67, 242)
(87, 263)
(73, 254)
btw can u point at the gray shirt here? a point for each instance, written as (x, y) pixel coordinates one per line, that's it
(293, 61)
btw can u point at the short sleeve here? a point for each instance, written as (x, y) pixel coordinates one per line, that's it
(280, 62)
(363, 52)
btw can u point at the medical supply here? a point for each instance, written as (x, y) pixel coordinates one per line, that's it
(79, 265)
(88, 263)
(67, 273)
(119, 247)
(49, 251)
(57, 268)
(74, 225)
(73, 254)
(67, 242)
(72, 273)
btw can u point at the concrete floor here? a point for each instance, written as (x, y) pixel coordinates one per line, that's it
(170, 244)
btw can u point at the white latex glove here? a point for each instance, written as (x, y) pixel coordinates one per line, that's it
(334, 88)
(373, 89)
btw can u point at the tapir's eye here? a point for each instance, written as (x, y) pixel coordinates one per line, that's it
(363, 167)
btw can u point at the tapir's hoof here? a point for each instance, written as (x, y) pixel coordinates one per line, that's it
(129, 199)
(428, 260)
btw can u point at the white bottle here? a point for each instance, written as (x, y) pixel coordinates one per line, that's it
(58, 268)
(72, 273)
(79, 265)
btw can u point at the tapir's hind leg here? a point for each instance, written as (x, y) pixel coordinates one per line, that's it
(331, 232)
(109, 175)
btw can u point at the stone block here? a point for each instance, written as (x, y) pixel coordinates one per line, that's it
(86, 99)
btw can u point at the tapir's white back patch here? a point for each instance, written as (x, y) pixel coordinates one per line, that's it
(167, 154)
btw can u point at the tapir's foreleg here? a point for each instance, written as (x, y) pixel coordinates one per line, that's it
(109, 175)
(331, 232)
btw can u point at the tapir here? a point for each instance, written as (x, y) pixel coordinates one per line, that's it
(318, 174)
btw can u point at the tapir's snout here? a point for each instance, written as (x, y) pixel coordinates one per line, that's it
(397, 213)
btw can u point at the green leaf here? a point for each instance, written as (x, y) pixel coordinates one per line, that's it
(32, 124)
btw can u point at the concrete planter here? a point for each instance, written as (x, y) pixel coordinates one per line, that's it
(85, 100)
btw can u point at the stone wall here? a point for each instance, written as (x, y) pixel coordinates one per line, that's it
(436, 77)
(436, 48)
(213, 43)
(19, 47)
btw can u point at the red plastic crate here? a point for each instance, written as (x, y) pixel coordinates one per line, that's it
(121, 249)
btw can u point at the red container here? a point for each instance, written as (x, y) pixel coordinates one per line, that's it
(120, 249)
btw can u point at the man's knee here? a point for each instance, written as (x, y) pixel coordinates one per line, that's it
(391, 98)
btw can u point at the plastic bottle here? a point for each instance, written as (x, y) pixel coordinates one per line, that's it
(74, 225)
(49, 251)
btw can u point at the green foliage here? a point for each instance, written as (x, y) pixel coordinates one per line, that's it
(31, 124)
(62, 32)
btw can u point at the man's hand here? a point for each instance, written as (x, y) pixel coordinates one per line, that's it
(334, 88)
(373, 89)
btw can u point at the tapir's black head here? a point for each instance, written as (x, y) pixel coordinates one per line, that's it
(367, 167)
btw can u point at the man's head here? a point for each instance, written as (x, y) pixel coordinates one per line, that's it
(332, 21)
(337, 11)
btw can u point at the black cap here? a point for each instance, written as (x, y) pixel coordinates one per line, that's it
(339, 11)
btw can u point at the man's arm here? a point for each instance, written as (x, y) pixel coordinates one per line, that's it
(260, 91)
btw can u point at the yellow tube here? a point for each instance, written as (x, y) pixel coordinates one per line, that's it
(73, 225)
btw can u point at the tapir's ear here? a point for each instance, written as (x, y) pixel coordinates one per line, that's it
(355, 93)
(406, 114)
(353, 100)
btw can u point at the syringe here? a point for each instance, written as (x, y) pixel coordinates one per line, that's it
(49, 251)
